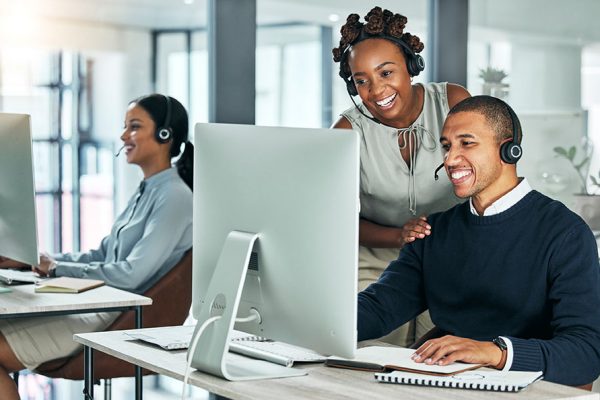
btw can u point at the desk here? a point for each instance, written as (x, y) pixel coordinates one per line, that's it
(320, 383)
(24, 302)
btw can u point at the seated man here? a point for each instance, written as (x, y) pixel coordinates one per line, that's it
(510, 274)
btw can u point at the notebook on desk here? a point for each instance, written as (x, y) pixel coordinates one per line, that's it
(499, 381)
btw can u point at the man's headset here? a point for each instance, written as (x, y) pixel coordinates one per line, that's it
(414, 62)
(164, 133)
(510, 151)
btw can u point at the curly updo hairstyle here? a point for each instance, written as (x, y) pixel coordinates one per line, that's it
(379, 24)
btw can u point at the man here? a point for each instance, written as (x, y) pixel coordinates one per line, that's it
(510, 274)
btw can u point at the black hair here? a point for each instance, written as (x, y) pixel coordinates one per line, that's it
(496, 113)
(379, 24)
(156, 105)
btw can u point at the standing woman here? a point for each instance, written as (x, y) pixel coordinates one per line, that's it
(146, 241)
(399, 124)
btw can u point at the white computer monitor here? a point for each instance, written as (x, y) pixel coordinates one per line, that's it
(291, 197)
(18, 232)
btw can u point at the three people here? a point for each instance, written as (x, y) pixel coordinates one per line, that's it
(511, 275)
(399, 123)
(147, 239)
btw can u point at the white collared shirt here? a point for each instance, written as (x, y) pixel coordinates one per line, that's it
(502, 204)
(505, 202)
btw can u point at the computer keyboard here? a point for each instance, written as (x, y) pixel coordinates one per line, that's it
(276, 352)
(12, 277)
(240, 343)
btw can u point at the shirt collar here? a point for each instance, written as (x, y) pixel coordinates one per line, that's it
(162, 176)
(505, 202)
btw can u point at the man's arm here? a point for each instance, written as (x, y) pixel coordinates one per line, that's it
(572, 355)
(395, 298)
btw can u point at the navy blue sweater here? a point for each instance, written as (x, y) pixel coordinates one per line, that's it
(530, 273)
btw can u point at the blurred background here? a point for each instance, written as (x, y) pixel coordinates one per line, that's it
(75, 64)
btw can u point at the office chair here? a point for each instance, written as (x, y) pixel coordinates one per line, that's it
(171, 300)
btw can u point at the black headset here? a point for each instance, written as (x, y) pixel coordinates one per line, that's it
(511, 151)
(414, 62)
(164, 133)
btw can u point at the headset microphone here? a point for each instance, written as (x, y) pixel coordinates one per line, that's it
(360, 111)
(120, 150)
(435, 174)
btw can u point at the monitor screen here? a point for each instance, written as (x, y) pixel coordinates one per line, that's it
(18, 233)
(297, 190)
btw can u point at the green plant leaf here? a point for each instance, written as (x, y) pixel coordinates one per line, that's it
(581, 164)
(561, 151)
(572, 152)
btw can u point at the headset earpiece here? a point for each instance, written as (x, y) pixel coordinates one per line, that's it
(511, 151)
(164, 133)
(414, 63)
(351, 87)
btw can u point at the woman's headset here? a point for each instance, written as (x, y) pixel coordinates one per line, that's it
(164, 133)
(414, 62)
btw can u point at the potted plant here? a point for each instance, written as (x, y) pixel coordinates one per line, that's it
(492, 82)
(587, 202)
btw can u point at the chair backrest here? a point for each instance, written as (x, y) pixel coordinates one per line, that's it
(171, 300)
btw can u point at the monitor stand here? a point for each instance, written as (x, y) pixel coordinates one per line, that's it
(223, 299)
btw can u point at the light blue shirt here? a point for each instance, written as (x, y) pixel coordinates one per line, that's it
(147, 239)
(502, 204)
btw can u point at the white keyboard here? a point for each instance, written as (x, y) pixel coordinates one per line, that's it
(276, 352)
(241, 343)
(11, 277)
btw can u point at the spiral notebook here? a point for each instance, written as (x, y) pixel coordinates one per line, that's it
(499, 381)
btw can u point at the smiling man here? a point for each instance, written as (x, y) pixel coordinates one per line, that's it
(510, 274)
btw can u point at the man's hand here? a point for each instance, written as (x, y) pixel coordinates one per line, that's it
(416, 228)
(8, 263)
(448, 349)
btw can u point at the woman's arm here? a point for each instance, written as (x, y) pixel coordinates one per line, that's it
(456, 94)
(342, 123)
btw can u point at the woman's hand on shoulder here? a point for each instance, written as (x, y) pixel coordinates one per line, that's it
(342, 123)
(456, 94)
(413, 229)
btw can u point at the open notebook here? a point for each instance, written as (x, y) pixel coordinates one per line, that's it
(386, 358)
(179, 337)
(500, 381)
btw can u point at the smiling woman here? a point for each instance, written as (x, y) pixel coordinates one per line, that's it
(147, 239)
(399, 124)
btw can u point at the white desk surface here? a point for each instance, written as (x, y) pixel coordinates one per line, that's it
(320, 383)
(23, 300)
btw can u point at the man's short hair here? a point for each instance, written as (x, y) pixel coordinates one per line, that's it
(496, 113)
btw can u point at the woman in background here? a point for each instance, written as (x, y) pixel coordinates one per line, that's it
(399, 124)
(147, 239)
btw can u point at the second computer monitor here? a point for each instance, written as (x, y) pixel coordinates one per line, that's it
(18, 233)
(297, 189)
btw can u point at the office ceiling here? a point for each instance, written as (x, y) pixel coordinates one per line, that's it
(166, 14)
(551, 18)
